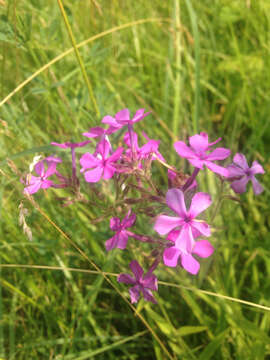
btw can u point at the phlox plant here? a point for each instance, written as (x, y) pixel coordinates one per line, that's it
(178, 234)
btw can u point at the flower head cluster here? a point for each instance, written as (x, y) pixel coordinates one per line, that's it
(135, 194)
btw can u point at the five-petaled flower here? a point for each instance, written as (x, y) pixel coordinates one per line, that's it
(171, 255)
(122, 118)
(120, 238)
(189, 226)
(242, 174)
(41, 182)
(103, 165)
(198, 153)
(145, 284)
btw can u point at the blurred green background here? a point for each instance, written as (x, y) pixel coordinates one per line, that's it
(199, 66)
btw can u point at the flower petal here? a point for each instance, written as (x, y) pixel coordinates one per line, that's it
(256, 168)
(171, 256)
(199, 203)
(241, 161)
(219, 154)
(176, 201)
(202, 227)
(126, 279)
(94, 132)
(93, 175)
(39, 168)
(33, 188)
(235, 171)
(150, 281)
(165, 224)
(185, 241)
(183, 150)
(110, 120)
(196, 162)
(88, 161)
(148, 296)
(257, 187)
(104, 147)
(199, 142)
(122, 239)
(216, 168)
(128, 220)
(115, 224)
(136, 269)
(122, 116)
(51, 169)
(239, 186)
(111, 243)
(116, 155)
(139, 115)
(190, 264)
(134, 293)
(46, 184)
(203, 248)
(109, 171)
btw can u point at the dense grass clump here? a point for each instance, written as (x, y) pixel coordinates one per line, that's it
(198, 66)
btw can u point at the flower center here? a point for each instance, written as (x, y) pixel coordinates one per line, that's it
(187, 219)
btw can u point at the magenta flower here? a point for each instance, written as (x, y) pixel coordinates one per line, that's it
(242, 173)
(98, 132)
(123, 118)
(103, 165)
(171, 255)
(120, 239)
(190, 227)
(198, 153)
(145, 284)
(151, 147)
(41, 182)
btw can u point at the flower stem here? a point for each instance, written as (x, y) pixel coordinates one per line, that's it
(130, 131)
(73, 157)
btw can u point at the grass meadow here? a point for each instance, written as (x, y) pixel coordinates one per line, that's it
(198, 66)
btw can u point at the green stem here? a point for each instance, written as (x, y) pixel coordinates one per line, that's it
(81, 64)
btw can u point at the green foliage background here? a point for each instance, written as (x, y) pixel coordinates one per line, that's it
(199, 66)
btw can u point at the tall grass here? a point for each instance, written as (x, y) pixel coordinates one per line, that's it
(199, 66)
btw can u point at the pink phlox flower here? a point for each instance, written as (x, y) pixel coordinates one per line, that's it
(102, 164)
(41, 182)
(151, 147)
(189, 226)
(198, 153)
(70, 145)
(242, 173)
(141, 284)
(122, 118)
(171, 255)
(98, 132)
(120, 238)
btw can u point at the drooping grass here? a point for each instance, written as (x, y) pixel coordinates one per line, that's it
(219, 52)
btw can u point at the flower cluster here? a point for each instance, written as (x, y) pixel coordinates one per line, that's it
(178, 236)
